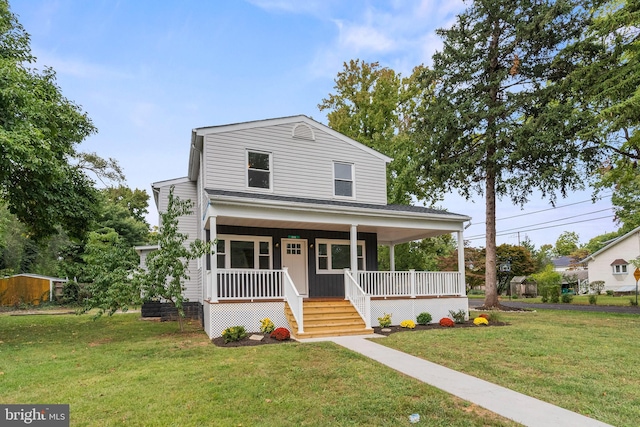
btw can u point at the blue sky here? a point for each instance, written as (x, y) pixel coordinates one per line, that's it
(148, 72)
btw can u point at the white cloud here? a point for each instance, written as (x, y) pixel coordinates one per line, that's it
(79, 68)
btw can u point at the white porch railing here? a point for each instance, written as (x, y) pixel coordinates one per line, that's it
(294, 299)
(358, 298)
(411, 283)
(245, 284)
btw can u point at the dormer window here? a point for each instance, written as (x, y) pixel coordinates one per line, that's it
(258, 169)
(343, 179)
(620, 266)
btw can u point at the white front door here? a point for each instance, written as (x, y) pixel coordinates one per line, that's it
(294, 257)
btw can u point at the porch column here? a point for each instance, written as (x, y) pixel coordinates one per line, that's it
(461, 264)
(354, 252)
(392, 257)
(212, 283)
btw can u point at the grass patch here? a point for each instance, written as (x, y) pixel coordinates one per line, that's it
(124, 371)
(582, 361)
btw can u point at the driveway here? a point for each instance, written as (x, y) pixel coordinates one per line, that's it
(476, 302)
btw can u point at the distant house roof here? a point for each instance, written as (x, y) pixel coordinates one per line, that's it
(562, 261)
(610, 245)
(619, 261)
(575, 274)
(518, 280)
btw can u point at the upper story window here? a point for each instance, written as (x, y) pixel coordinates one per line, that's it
(620, 266)
(258, 169)
(343, 179)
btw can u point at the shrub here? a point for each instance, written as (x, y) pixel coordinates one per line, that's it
(495, 316)
(234, 333)
(446, 322)
(633, 302)
(593, 299)
(567, 298)
(480, 321)
(424, 318)
(554, 294)
(484, 316)
(609, 292)
(281, 334)
(458, 316)
(410, 324)
(596, 286)
(70, 293)
(385, 321)
(266, 326)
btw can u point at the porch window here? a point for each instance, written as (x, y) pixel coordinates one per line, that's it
(246, 252)
(259, 170)
(343, 179)
(333, 256)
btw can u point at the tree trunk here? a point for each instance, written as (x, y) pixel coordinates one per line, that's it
(490, 278)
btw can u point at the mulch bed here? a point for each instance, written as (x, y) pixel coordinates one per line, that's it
(246, 342)
(432, 326)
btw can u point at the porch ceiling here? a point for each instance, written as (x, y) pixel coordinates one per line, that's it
(386, 234)
(395, 225)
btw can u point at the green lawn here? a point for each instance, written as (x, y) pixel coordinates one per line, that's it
(125, 371)
(577, 299)
(582, 361)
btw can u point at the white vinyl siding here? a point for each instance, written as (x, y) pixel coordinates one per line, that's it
(300, 167)
(188, 225)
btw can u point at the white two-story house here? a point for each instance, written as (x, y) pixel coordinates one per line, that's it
(297, 211)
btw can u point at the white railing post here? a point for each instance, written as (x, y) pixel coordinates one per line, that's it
(358, 298)
(412, 281)
(294, 299)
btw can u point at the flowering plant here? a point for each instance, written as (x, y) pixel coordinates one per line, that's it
(281, 334)
(408, 324)
(480, 321)
(234, 333)
(385, 321)
(266, 326)
(445, 321)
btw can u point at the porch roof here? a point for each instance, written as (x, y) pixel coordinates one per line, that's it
(392, 223)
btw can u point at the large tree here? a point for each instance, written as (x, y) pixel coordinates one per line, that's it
(373, 105)
(502, 123)
(41, 180)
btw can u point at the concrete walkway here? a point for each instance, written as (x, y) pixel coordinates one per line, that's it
(508, 403)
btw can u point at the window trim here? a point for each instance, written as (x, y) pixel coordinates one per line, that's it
(247, 169)
(256, 249)
(352, 181)
(330, 242)
(620, 267)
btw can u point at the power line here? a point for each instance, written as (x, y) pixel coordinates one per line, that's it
(504, 233)
(545, 210)
(546, 222)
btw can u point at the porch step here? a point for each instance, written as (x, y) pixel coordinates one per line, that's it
(327, 318)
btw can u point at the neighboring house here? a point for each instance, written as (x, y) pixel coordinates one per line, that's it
(29, 289)
(612, 264)
(297, 211)
(575, 280)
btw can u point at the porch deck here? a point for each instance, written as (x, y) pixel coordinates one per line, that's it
(374, 293)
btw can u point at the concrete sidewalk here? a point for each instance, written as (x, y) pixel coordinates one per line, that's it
(508, 403)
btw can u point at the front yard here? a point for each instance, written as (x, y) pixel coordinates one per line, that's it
(125, 371)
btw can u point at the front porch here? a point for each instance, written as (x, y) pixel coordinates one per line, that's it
(245, 296)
